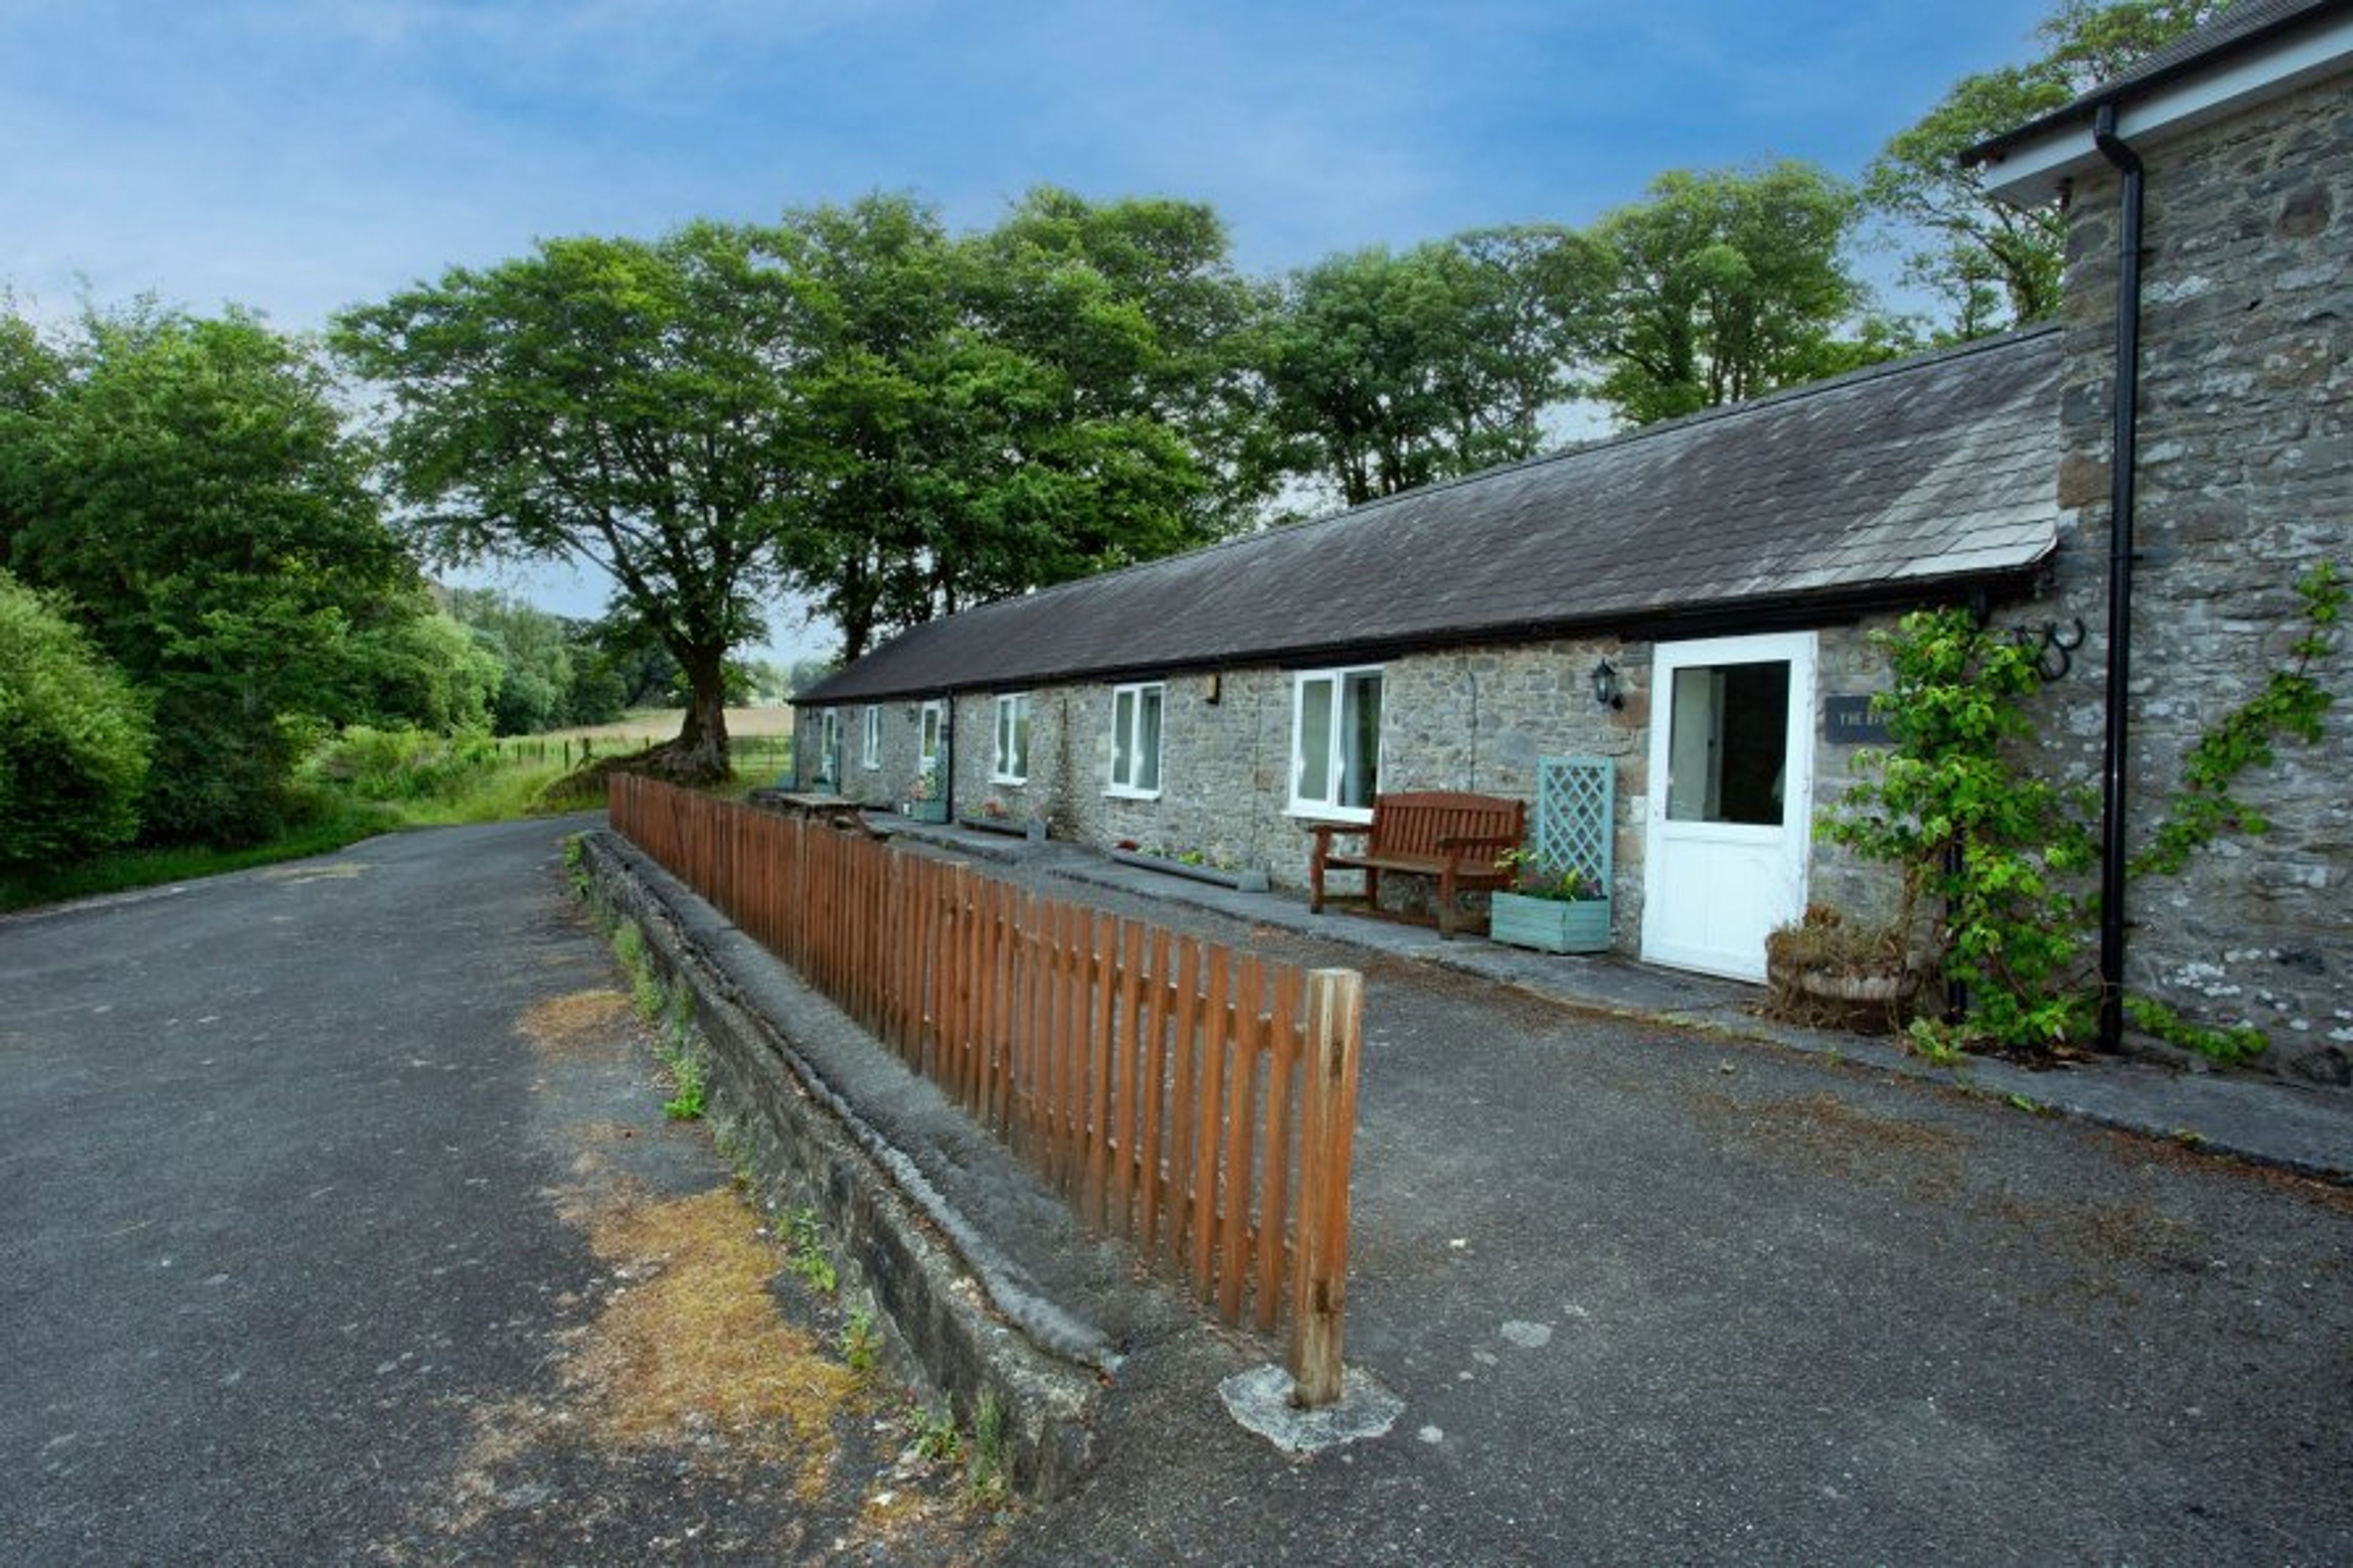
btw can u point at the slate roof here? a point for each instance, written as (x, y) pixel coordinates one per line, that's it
(1888, 486)
(2242, 26)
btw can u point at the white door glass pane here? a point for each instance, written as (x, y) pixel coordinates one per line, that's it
(1147, 739)
(1316, 740)
(1727, 743)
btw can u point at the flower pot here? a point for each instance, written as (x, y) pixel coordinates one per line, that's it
(1868, 1000)
(1550, 925)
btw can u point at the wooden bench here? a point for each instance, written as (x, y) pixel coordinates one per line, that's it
(1446, 834)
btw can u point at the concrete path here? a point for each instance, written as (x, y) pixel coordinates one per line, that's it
(339, 1221)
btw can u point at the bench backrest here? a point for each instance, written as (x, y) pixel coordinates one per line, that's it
(1413, 823)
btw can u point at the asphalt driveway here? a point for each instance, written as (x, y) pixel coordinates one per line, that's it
(332, 1197)
(293, 1267)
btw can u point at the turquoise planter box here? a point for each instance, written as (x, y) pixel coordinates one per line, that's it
(1550, 925)
(926, 811)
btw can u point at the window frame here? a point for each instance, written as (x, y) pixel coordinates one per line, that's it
(870, 739)
(1009, 760)
(1127, 789)
(1342, 680)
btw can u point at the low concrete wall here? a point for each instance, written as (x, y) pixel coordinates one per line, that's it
(965, 1317)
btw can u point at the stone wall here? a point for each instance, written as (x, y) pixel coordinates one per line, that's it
(2245, 479)
(1476, 718)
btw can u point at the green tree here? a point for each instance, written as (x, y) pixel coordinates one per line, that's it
(534, 652)
(425, 672)
(187, 482)
(631, 404)
(74, 737)
(1727, 284)
(1385, 371)
(1002, 411)
(1997, 266)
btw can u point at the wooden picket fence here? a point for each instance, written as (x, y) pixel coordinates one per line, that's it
(1198, 1103)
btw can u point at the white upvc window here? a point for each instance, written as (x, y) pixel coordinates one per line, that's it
(870, 739)
(829, 746)
(1336, 743)
(1012, 759)
(1136, 740)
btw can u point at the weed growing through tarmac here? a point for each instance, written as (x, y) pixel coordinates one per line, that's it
(934, 1435)
(690, 1093)
(986, 1478)
(807, 1253)
(932, 1438)
(860, 1345)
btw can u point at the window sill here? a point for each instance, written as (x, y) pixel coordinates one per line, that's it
(1312, 811)
(1118, 792)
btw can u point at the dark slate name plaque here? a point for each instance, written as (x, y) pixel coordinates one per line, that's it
(1848, 720)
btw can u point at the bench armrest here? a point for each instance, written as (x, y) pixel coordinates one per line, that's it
(1325, 832)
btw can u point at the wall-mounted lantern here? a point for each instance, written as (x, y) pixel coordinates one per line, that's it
(1605, 686)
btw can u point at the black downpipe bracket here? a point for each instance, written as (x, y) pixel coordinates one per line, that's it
(2123, 461)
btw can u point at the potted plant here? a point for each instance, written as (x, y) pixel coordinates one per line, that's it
(1830, 972)
(924, 802)
(1549, 908)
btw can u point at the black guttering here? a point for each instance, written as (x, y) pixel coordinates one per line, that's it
(2124, 456)
(2187, 61)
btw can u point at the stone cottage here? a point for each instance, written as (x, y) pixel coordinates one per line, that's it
(1692, 600)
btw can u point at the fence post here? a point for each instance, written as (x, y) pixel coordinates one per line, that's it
(1319, 1289)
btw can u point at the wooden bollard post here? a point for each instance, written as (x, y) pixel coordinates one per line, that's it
(1319, 1282)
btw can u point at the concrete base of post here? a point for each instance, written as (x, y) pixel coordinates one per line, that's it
(1260, 1400)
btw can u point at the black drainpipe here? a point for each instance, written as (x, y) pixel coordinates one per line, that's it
(2121, 464)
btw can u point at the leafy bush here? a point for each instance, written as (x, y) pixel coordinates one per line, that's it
(403, 763)
(75, 741)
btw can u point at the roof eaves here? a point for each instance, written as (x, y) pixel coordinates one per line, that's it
(2186, 59)
(1780, 605)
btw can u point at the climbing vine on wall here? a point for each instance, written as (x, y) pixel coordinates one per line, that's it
(2291, 703)
(2001, 851)
(1994, 847)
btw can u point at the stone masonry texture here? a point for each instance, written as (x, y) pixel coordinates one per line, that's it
(2245, 479)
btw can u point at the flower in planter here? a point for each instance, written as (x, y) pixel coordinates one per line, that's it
(927, 785)
(1532, 878)
(994, 809)
(1126, 844)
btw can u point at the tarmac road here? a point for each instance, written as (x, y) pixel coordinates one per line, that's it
(310, 1185)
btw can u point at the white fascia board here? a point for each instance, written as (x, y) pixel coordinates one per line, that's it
(2036, 172)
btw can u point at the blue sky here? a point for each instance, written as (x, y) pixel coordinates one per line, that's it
(300, 157)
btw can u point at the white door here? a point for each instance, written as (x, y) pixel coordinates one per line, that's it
(1731, 799)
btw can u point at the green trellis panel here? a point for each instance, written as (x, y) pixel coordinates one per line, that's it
(1575, 815)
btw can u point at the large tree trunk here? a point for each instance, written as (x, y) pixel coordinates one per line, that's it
(699, 755)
